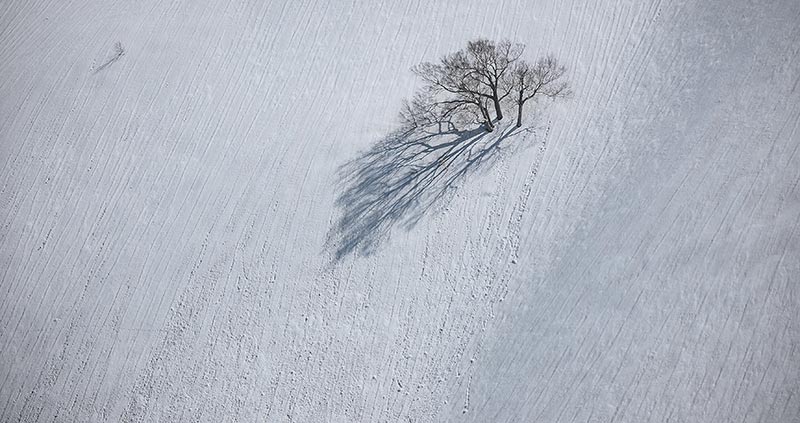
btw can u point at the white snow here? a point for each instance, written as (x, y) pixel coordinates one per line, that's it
(172, 177)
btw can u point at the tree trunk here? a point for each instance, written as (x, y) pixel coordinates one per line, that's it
(497, 108)
(487, 118)
(520, 103)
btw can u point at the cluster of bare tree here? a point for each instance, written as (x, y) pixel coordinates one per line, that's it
(472, 84)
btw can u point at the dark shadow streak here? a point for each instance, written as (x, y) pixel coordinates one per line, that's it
(401, 177)
(119, 51)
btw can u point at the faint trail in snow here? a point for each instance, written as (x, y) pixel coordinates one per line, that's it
(119, 51)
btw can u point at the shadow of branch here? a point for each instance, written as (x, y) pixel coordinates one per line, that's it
(401, 177)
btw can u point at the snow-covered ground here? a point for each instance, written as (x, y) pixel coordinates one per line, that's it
(176, 177)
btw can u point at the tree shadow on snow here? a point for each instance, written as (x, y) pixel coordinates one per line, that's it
(403, 176)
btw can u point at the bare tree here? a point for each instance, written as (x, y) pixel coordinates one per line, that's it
(449, 92)
(420, 111)
(462, 86)
(488, 63)
(465, 82)
(541, 79)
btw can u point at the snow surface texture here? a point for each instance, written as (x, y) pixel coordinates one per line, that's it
(176, 176)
